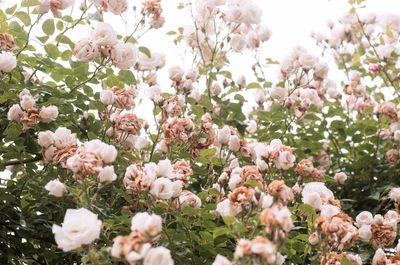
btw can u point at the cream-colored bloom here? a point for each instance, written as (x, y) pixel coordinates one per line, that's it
(80, 227)
(48, 114)
(8, 62)
(159, 256)
(56, 188)
(104, 35)
(146, 223)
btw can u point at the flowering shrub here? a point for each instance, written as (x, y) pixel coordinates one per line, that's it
(310, 175)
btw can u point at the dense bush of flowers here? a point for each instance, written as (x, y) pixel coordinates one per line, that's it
(310, 175)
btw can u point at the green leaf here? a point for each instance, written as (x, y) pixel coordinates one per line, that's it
(145, 50)
(28, 3)
(345, 261)
(52, 50)
(24, 17)
(48, 27)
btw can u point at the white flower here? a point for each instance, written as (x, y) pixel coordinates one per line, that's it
(313, 239)
(285, 160)
(155, 61)
(307, 61)
(107, 97)
(141, 142)
(379, 257)
(221, 260)
(316, 194)
(394, 194)
(238, 42)
(164, 168)
(263, 32)
(48, 114)
(215, 89)
(15, 113)
(244, 12)
(85, 50)
(27, 102)
(225, 208)
(265, 200)
(107, 174)
(56, 188)
(176, 73)
(340, 177)
(188, 198)
(157, 22)
(80, 227)
(108, 153)
(177, 186)
(252, 126)
(365, 233)
(7, 62)
(223, 135)
(154, 93)
(162, 188)
(104, 35)
(234, 143)
(117, 6)
(364, 218)
(321, 70)
(146, 223)
(63, 138)
(46, 138)
(124, 55)
(74, 163)
(328, 210)
(278, 93)
(259, 96)
(159, 256)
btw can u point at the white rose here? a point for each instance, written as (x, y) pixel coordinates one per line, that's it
(7, 62)
(396, 136)
(221, 260)
(27, 102)
(238, 42)
(321, 70)
(234, 143)
(124, 55)
(107, 174)
(225, 208)
(265, 200)
(364, 218)
(80, 227)
(155, 61)
(394, 194)
(56, 188)
(312, 199)
(215, 89)
(107, 97)
(285, 160)
(313, 239)
(251, 127)
(48, 114)
(117, 6)
(49, 153)
(164, 168)
(188, 198)
(108, 153)
(340, 177)
(74, 163)
(85, 50)
(329, 210)
(104, 35)
(176, 73)
(15, 113)
(159, 256)
(365, 233)
(154, 93)
(192, 74)
(379, 257)
(307, 61)
(177, 188)
(46, 138)
(157, 22)
(264, 33)
(234, 181)
(162, 188)
(63, 138)
(223, 135)
(146, 223)
(278, 93)
(141, 142)
(259, 96)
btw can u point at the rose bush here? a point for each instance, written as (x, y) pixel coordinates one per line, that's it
(310, 175)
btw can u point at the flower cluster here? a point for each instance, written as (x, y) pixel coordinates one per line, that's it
(26, 112)
(104, 42)
(55, 6)
(91, 159)
(116, 7)
(137, 246)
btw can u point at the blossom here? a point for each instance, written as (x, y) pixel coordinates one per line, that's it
(107, 97)
(56, 188)
(316, 194)
(226, 208)
(74, 232)
(124, 55)
(15, 113)
(340, 177)
(63, 138)
(394, 194)
(176, 73)
(48, 114)
(8, 62)
(364, 218)
(162, 188)
(149, 224)
(46, 138)
(104, 35)
(187, 198)
(85, 50)
(155, 61)
(221, 260)
(107, 174)
(54, 6)
(158, 255)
